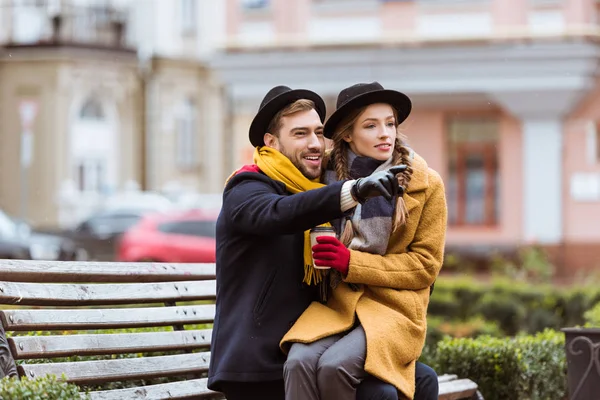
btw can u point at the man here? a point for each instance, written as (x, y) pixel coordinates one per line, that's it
(261, 242)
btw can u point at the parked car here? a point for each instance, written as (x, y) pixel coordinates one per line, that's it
(19, 240)
(99, 234)
(14, 249)
(12, 245)
(183, 236)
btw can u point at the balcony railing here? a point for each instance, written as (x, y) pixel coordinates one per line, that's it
(39, 23)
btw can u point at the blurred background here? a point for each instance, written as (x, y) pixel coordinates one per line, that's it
(121, 119)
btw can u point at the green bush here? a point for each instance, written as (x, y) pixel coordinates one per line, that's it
(43, 388)
(531, 264)
(508, 312)
(438, 328)
(109, 385)
(592, 317)
(444, 304)
(515, 306)
(523, 367)
(455, 263)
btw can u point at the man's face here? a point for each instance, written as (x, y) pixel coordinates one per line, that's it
(301, 140)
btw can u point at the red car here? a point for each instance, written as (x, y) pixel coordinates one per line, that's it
(185, 237)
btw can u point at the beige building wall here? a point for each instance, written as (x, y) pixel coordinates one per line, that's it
(175, 85)
(59, 82)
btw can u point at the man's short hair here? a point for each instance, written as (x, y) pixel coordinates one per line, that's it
(297, 106)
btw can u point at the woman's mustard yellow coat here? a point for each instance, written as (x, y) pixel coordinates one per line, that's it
(392, 301)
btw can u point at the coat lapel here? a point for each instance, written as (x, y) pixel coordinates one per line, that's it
(411, 203)
(418, 182)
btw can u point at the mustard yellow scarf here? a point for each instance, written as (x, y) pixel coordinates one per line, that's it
(278, 167)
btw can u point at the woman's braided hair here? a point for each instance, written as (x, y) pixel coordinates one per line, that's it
(401, 155)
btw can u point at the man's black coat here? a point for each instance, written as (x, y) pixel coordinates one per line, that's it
(260, 293)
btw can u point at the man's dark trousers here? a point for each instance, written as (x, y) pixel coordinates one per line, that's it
(370, 389)
(426, 386)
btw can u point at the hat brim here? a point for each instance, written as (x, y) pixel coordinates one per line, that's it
(399, 101)
(265, 115)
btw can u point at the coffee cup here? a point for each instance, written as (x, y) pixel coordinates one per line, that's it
(320, 231)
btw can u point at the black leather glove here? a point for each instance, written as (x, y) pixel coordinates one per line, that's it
(381, 183)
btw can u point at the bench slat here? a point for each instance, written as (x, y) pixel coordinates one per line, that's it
(447, 378)
(457, 389)
(33, 320)
(194, 388)
(27, 347)
(61, 271)
(87, 372)
(100, 294)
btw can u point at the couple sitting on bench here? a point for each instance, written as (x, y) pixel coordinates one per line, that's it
(342, 317)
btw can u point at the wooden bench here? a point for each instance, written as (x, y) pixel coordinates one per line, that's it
(452, 388)
(78, 301)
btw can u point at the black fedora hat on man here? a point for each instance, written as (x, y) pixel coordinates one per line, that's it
(364, 94)
(275, 100)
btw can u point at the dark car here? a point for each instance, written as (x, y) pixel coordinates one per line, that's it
(12, 244)
(14, 249)
(18, 235)
(99, 234)
(52, 247)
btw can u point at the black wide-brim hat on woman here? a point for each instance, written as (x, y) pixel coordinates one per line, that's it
(275, 100)
(364, 94)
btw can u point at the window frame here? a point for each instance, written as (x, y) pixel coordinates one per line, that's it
(186, 146)
(254, 5)
(489, 150)
(188, 17)
(490, 157)
(596, 140)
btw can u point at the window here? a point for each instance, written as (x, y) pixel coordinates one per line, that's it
(597, 140)
(104, 225)
(473, 187)
(29, 21)
(91, 175)
(187, 156)
(190, 228)
(448, 2)
(340, 2)
(188, 16)
(254, 4)
(333, 6)
(92, 110)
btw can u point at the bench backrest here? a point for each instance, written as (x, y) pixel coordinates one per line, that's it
(78, 302)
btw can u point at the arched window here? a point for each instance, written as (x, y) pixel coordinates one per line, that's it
(92, 110)
(187, 140)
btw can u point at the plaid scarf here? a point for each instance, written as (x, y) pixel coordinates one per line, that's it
(372, 222)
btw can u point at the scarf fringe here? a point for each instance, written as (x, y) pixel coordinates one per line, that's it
(313, 276)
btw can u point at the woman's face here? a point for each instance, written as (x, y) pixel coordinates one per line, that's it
(374, 132)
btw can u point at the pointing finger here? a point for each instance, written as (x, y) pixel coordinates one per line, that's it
(396, 169)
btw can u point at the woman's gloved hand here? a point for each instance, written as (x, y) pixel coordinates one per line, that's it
(381, 183)
(330, 252)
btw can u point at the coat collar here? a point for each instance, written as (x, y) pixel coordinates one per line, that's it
(418, 182)
(420, 176)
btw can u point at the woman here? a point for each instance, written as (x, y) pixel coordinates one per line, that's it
(390, 253)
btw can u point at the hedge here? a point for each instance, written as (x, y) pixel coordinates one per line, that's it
(42, 388)
(523, 367)
(592, 317)
(110, 385)
(438, 328)
(514, 306)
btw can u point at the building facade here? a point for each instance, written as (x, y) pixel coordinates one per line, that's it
(96, 96)
(506, 101)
